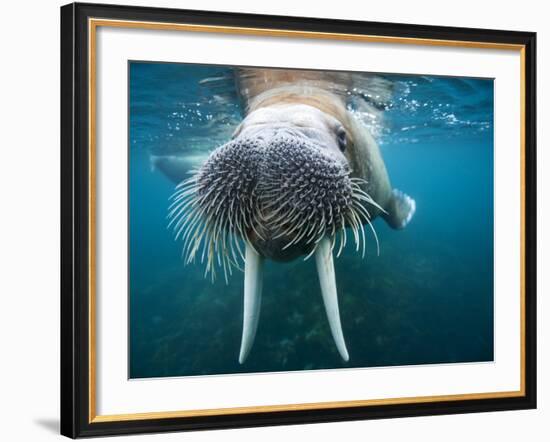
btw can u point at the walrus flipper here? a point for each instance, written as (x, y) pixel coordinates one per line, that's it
(400, 209)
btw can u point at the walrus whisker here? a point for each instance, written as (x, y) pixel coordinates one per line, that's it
(205, 196)
(225, 261)
(333, 223)
(182, 204)
(271, 216)
(362, 210)
(185, 182)
(193, 181)
(207, 246)
(354, 230)
(183, 193)
(293, 240)
(244, 218)
(235, 262)
(296, 239)
(375, 237)
(188, 229)
(195, 243)
(310, 232)
(225, 257)
(205, 242)
(240, 228)
(223, 264)
(214, 202)
(360, 195)
(340, 242)
(196, 215)
(332, 243)
(196, 231)
(255, 210)
(220, 205)
(218, 235)
(189, 193)
(343, 238)
(276, 202)
(227, 272)
(294, 216)
(276, 223)
(178, 214)
(229, 236)
(361, 215)
(185, 229)
(189, 223)
(369, 200)
(292, 229)
(356, 215)
(362, 230)
(228, 253)
(322, 225)
(256, 231)
(366, 215)
(216, 228)
(274, 220)
(220, 258)
(313, 249)
(177, 218)
(310, 237)
(238, 245)
(283, 232)
(314, 232)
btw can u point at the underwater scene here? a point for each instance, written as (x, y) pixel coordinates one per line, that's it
(421, 291)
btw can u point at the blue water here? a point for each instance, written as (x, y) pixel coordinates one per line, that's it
(428, 297)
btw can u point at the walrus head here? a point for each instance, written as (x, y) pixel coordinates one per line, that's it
(282, 187)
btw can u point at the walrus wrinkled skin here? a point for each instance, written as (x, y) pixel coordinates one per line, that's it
(299, 172)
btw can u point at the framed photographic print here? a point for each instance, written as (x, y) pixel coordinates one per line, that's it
(274, 220)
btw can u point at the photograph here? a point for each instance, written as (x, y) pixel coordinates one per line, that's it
(274, 220)
(290, 219)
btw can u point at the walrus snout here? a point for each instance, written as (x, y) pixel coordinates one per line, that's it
(282, 193)
(283, 187)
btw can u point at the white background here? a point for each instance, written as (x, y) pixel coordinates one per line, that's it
(29, 239)
(115, 395)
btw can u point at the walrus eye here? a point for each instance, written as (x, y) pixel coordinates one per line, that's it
(342, 139)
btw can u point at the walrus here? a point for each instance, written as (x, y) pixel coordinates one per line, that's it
(299, 175)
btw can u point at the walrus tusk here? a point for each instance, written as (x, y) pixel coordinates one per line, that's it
(253, 282)
(327, 278)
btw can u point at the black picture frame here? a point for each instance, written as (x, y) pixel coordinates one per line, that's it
(75, 221)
